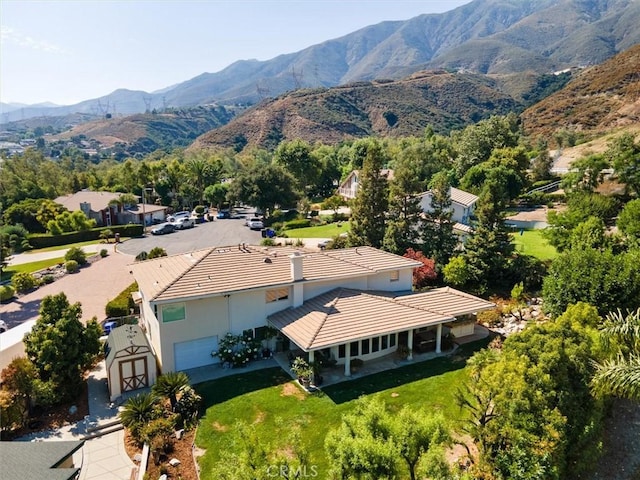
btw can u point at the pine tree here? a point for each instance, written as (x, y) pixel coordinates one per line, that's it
(438, 239)
(368, 212)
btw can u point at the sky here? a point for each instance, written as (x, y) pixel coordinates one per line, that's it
(69, 51)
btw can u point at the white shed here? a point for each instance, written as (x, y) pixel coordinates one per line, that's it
(130, 361)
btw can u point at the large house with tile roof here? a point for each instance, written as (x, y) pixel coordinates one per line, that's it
(348, 303)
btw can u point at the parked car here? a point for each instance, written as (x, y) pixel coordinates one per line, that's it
(175, 216)
(224, 214)
(3, 326)
(182, 223)
(255, 223)
(162, 229)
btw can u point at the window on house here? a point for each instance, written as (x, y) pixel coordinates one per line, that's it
(375, 344)
(365, 346)
(341, 351)
(354, 349)
(385, 342)
(277, 294)
(392, 340)
(395, 276)
(173, 312)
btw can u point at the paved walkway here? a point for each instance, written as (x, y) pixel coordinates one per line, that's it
(102, 458)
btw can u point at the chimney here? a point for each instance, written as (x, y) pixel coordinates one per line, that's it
(296, 266)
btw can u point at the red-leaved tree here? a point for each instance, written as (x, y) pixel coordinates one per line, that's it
(425, 275)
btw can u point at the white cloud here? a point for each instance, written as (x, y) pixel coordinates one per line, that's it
(12, 36)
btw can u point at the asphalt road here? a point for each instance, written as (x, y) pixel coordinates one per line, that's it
(219, 233)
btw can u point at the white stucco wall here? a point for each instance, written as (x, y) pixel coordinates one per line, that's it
(318, 288)
(382, 281)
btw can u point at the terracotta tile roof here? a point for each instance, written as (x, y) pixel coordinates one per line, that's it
(344, 315)
(447, 301)
(98, 200)
(218, 271)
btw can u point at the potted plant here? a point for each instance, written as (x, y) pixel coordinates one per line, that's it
(302, 370)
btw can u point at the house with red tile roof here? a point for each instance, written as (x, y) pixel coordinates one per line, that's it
(346, 303)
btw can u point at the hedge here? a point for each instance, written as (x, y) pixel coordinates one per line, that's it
(6, 292)
(44, 240)
(303, 223)
(121, 305)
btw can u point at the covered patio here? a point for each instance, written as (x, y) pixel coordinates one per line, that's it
(345, 324)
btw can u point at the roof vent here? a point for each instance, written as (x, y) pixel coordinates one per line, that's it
(266, 260)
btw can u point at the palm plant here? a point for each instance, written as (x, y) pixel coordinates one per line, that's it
(620, 374)
(139, 411)
(169, 385)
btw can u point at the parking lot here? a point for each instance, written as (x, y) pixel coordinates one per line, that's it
(218, 233)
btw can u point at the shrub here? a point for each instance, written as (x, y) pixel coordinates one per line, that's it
(302, 223)
(43, 240)
(71, 266)
(142, 256)
(490, 317)
(157, 252)
(268, 242)
(123, 303)
(76, 254)
(6, 292)
(104, 253)
(47, 279)
(23, 282)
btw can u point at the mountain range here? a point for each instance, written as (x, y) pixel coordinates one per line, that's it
(494, 37)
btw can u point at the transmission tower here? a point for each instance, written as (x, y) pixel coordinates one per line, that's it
(147, 104)
(297, 78)
(164, 103)
(263, 91)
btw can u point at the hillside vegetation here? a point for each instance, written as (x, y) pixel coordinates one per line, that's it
(600, 98)
(439, 99)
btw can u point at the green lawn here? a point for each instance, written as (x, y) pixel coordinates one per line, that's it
(63, 247)
(271, 403)
(532, 242)
(30, 267)
(329, 230)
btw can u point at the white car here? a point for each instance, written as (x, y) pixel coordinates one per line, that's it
(183, 222)
(178, 215)
(255, 223)
(3, 326)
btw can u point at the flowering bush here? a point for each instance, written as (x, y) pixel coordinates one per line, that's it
(237, 350)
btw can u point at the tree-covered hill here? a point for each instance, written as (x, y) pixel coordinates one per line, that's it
(439, 99)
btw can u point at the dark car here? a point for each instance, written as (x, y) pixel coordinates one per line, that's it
(224, 214)
(162, 229)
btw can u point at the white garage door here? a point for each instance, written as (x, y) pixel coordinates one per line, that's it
(195, 353)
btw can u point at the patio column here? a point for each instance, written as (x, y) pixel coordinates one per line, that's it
(311, 356)
(410, 344)
(439, 338)
(347, 359)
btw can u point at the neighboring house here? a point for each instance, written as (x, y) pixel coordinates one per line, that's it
(348, 303)
(94, 205)
(100, 207)
(348, 189)
(463, 204)
(129, 360)
(134, 214)
(36, 460)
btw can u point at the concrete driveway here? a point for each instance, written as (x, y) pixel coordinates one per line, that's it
(218, 233)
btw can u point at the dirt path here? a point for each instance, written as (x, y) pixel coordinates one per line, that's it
(93, 286)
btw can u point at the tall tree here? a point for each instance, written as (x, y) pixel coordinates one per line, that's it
(438, 239)
(297, 159)
(60, 346)
(404, 207)
(369, 208)
(264, 186)
(624, 154)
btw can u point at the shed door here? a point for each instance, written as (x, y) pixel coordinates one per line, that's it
(195, 353)
(133, 374)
